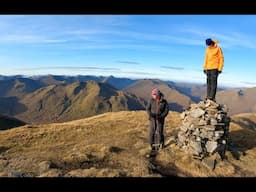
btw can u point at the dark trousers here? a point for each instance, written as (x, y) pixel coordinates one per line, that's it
(156, 126)
(212, 76)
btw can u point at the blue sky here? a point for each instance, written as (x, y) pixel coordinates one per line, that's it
(168, 47)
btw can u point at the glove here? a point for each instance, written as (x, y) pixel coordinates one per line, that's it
(204, 71)
(219, 72)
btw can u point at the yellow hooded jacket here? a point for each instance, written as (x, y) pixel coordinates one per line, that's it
(214, 58)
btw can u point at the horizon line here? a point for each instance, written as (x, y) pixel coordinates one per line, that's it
(222, 85)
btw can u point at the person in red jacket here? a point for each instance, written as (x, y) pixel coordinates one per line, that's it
(213, 66)
(157, 109)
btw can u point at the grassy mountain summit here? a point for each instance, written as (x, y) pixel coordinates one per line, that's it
(115, 144)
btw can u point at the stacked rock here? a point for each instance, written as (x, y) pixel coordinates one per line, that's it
(204, 129)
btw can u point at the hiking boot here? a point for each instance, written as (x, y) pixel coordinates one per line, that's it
(211, 99)
(156, 147)
(153, 148)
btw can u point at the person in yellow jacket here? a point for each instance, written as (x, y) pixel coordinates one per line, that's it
(213, 66)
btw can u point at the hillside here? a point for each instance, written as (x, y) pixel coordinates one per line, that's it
(2, 77)
(195, 91)
(11, 106)
(176, 100)
(238, 101)
(9, 122)
(114, 144)
(18, 87)
(18, 96)
(64, 102)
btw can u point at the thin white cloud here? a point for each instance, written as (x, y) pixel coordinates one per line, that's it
(80, 32)
(172, 68)
(53, 41)
(139, 36)
(138, 73)
(153, 48)
(95, 28)
(69, 68)
(249, 83)
(29, 39)
(227, 39)
(98, 32)
(128, 62)
(109, 20)
(236, 84)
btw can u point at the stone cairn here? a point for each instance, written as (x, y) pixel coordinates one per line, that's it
(204, 129)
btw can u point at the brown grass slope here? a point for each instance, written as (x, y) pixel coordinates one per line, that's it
(238, 101)
(65, 102)
(114, 144)
(176, 100)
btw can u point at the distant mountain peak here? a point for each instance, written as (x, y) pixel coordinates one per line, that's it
(70, 101)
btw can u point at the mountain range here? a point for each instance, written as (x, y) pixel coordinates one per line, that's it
(57, 98)
(64, 102)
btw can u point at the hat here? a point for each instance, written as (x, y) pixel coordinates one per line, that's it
(215, 41)
(155, 91)
(209, 42)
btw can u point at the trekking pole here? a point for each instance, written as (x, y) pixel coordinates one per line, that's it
(154, 140)
(157, 136)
